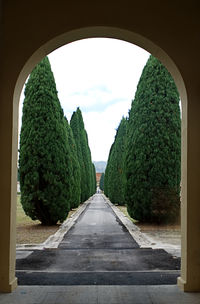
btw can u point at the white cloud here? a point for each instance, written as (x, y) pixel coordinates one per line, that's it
(83, 65)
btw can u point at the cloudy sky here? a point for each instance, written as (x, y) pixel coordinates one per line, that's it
(100, 76)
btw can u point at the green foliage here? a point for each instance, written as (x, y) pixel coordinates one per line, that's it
(115, 172)
(75, 126)
(84, 155)
(94, 179)
(108, 182)
(101, 183)
(164, 204)
(74, 169)
(44, 150)
(154, 147)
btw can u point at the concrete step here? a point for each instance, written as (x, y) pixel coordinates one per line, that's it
(97, 278)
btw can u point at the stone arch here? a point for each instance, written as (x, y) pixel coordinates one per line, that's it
(91, 32)
(115, 33)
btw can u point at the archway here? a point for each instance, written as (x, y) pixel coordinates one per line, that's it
(44, 50)
(104, 32)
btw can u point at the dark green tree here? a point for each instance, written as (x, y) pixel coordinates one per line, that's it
(94, 186)
(101, 183)
(108, 181)
(115, 171)
(84, 154)
(75, 126)
(74, 169)
(154, 147)
(44, 150)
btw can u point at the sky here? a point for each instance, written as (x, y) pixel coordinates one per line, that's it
(100, 76)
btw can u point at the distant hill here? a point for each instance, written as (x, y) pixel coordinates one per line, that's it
(100, 166)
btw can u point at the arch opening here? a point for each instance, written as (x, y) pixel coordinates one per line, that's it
(105, 32)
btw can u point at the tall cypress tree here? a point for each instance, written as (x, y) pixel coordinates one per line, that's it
(115, 173)
(84, 154)
(75, 127)
(44, 150)
(94, 185)
(74, 168)
(86, 157)
(108, 180)
(154, 147)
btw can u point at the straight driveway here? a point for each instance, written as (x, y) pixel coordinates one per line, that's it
(98, 250)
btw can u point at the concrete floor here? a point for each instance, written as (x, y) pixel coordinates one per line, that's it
(99, 294)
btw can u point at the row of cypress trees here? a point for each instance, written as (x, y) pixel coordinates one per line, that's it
(143, 169)
(55, 166)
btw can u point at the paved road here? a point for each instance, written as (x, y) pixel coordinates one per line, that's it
(98, 249)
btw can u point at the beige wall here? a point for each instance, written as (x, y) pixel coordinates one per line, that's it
(31, 29)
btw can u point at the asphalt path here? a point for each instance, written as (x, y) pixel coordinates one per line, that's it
(99, 250)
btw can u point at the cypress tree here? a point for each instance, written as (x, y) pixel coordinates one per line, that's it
(116, 171)
(94, 187)
(75, 126)
(86, 157)
(108, 180)
(74, 168)
(44, 150)
(84, 154)
(154, 147)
